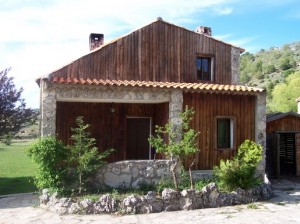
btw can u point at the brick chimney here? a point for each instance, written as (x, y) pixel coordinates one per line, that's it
(96, 40)
(203, 30)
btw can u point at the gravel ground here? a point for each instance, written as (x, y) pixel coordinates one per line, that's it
(283, 208)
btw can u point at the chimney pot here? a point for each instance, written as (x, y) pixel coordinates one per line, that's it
(96, 40)
(204, 30)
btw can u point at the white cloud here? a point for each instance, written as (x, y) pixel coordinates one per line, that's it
(38, 37)
(224, 11)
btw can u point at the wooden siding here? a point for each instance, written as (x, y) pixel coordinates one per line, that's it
(158, 52)
(106, 127)
(297, 143)
(210, 106)
(285, 124)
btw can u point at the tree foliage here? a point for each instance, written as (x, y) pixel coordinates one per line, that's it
(13, 112)
(285, 94)
(268, 68)
(176, 142)
(50, 156)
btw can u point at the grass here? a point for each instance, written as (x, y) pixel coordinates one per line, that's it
(16, 169)
(252, 206)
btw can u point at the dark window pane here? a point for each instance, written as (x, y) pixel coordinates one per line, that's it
(203, 68)
(223, 133)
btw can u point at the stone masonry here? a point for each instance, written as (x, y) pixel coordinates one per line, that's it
(235, 66)
(132, 173)
(169, 200)
(260, 130)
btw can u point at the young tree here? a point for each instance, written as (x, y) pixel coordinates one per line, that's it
(84, 158)
(13, 112)
(176, 142)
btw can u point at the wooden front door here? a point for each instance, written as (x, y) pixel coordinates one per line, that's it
(137, 134)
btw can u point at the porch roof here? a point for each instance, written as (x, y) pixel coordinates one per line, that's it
(188, 87)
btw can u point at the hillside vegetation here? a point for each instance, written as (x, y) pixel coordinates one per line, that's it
(278, 71)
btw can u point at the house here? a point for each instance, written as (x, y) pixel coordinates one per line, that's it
(283, 144)
(145, 78)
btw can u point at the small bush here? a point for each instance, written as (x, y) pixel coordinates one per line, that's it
(50, 155)
(7, 138)
(164, 183)
(202, 183)
(240, 171)
(183, 182)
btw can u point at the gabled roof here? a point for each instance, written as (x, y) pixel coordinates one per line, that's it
(199, 87)
(172, 24)
(52, 74)
(276, 116)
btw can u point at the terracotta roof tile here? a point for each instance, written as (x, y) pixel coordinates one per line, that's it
(202, 87)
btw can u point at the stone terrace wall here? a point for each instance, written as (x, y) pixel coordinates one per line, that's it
(170, 200)
(131, 173)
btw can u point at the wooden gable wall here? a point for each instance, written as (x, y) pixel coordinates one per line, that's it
(157, 52)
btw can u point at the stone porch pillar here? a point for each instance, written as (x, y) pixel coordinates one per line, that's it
(175, 108)
(48, 110)
(260, 129)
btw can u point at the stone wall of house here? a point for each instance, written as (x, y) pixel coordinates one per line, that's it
(132, 173)
(235, 66)
(48, 109)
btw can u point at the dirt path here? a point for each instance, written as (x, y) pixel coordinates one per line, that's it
(283, 208)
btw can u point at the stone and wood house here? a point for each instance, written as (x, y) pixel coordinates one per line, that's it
(125, 87)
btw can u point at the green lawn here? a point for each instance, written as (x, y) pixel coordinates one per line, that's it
(16, 169)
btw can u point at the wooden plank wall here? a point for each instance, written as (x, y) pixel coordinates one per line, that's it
(288, 123)
(157, 52)
(106, 127)
(208, 107)
(297, 143)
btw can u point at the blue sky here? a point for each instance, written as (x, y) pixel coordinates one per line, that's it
(39, 36)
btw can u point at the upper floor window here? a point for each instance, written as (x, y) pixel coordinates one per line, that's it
(204, 68)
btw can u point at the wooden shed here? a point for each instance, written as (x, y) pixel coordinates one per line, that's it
(283, 144)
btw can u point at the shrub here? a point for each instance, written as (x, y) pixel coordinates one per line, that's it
(84, 158)
(7, 138)
(184, 182)
(202, 183)
(50, 155)
(240, 171)
(67, 168)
